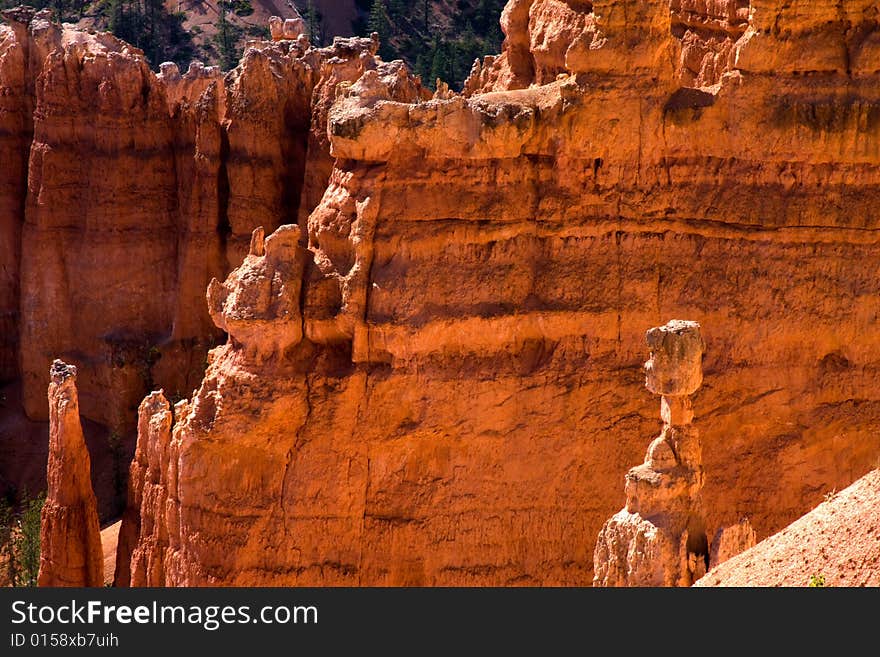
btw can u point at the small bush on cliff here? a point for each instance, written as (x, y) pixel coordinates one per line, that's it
(7, 557)
(817, 581)
(28, 544)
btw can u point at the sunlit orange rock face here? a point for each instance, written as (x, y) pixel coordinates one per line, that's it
(122, 194)
(466, 392)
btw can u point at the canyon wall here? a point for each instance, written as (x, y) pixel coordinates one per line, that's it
(122, 193)
(465, 394)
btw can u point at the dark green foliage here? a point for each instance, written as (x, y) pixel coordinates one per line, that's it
(20, 540)
(241, 7)
(315, 22)
(7, 553)
(436, 39)
(434, 43)
(143, 23)
(62, 10)
(257, 31)
(380, 23)
(147, 25)
(27, 544)
(227, 39)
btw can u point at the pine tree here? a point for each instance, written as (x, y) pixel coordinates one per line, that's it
(58, 8)
(423, 68)
(314, 21)
(439, 63)
(396, 10)
(226, 40)
(116, 17)
(380, 24)
(442, 44)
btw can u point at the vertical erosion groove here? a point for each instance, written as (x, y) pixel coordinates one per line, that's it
(224, 228)
(294, 153)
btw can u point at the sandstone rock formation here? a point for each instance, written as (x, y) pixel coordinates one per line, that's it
(467, 392)
(837, 544)
(289, 28)
(659, 538)
(123, 193)
(683, 43)
(70, 535)
(259, 304)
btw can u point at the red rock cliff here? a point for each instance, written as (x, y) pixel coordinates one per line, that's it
(467, 395)
(434, 377)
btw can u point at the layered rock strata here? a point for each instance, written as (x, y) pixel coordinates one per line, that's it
(70, 535)
(659, 538)
(466, 390)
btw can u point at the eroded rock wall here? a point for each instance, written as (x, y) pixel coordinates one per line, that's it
(462, 406)
(122, 193)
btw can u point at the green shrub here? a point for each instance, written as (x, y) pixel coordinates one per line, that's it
(20, 541)
(27, 548)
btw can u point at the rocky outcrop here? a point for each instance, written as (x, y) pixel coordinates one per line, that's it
(659, 538)
(835, 544)
(467, 391)
(259, 304)
(123, 193)
(70, 535)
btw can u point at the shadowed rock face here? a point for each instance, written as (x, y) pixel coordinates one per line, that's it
(144, 536)
(70, 535)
